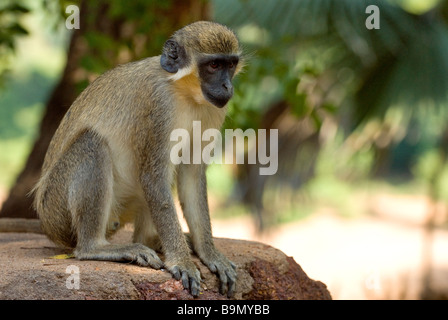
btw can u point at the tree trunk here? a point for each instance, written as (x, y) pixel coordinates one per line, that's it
(19, 203)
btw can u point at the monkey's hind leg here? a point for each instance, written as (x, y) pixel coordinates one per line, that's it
(90, 197)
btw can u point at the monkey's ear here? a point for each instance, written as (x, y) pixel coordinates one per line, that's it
(174, 56)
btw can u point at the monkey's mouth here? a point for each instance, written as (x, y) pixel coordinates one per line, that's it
(218, 102)
(218, 99)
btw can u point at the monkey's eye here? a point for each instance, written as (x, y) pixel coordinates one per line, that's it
(233, 63)
(214, 65)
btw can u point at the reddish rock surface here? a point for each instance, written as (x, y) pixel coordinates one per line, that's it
(28, 271)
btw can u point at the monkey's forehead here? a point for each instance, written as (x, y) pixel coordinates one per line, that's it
(209, 37)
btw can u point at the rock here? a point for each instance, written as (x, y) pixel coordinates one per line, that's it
(30, 272)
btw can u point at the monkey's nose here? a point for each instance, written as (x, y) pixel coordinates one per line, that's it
(228, 86)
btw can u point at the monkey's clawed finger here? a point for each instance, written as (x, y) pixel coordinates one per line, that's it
(223, 279)
(231, 276)
(190, 280)
(194, 287)
(144, 256)
(185, 280)
(227, 276)
(175, 272)
(228, 280)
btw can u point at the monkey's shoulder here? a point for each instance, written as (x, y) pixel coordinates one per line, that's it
(121, 87)
(132, 73)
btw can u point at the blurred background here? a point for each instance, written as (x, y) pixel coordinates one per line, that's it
(360, 196)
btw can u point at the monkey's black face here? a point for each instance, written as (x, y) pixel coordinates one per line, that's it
(216, 73)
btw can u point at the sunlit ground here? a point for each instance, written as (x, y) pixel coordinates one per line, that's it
(376, 256)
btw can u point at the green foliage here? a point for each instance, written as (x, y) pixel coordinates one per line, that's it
(220, 181)
(385, 62)
(11, 28)
(357, 75)
(134, 30)
(414, 78)
(144, 36)
(20, 109)
(427, 164)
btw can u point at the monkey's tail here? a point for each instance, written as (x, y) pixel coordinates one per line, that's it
(20, 225)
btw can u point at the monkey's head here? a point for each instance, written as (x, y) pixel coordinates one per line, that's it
(210, 52)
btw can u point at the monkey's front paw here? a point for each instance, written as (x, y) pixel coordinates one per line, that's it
(225, 269)
(135, 252)
(143, 256)
(189, 274)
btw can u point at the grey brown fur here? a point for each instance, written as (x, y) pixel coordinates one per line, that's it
(108, 164)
